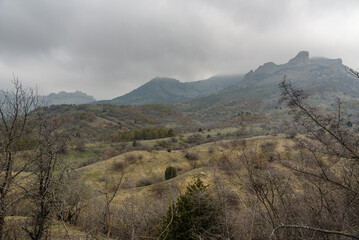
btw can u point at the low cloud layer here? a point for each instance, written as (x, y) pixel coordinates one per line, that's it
(109, 47)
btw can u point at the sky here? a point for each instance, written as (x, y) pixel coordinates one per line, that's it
(107, 48)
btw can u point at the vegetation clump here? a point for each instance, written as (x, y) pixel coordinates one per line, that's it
(170, 172)
(195, 215)
(192, 156)
(146, 181)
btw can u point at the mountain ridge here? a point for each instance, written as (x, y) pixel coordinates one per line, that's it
(63, 97)
(161, 90)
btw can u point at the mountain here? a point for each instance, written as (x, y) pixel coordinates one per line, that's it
(62, 97)
(169, 90)
(322, 78)
(314, 75)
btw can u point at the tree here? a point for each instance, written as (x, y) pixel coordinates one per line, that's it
(327, 167)
(30, 170)
(15, 125)
(195, 215)
(45, 190)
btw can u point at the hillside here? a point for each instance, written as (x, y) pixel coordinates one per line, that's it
(95, 122)
(62, 97)
(168, 90)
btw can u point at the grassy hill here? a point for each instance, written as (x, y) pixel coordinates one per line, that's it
(144, 171)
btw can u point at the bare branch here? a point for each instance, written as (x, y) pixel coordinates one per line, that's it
(320, 230)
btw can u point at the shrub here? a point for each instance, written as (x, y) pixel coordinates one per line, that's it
(80, 145)
(145, 181)
(192, 156)
(195, 215)
(195, 139)
(159, 189)
(170, 172)
(268, 146)
(118, 166)
(131, 158)
(163, 144)
(211, 150)
(268, 150)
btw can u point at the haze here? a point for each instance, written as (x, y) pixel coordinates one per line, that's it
(107, 48)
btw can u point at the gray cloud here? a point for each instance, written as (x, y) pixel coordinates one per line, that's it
(109, 47)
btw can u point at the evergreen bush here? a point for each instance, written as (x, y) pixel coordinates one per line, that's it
(170, 172)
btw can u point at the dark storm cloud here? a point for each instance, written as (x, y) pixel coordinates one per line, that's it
(109, 47)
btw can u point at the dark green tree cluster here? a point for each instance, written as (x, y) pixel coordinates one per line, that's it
(195, 215)
(145, 134)
(170, 172)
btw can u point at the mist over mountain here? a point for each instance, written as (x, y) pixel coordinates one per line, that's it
(311, 74)
(314, 75)
(168, 90)
(63, 97)
(321, 78)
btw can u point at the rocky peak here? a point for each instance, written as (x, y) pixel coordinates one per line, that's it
(267, 68)
(301, 59)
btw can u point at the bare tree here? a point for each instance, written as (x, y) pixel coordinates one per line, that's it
(45, 188)
(109, 194)
(15, 125)
(325, 198)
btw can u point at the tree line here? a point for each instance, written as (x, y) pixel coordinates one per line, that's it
(143, 134)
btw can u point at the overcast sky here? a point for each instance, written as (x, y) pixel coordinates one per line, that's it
(109, 47)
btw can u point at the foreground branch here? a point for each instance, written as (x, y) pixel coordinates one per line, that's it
(325, 231)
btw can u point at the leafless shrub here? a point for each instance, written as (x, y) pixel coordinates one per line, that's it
(118, 166)
(269, 146)
(138, 218)
(211, 149)
(130, 158)
(128, 184)
(163, 144)
(159, 190)
(145, 181)
(195, 138)
(192, 156)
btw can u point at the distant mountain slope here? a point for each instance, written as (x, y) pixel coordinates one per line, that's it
(62, 97)
(168, 90)
(314, 75)
(258, 92)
